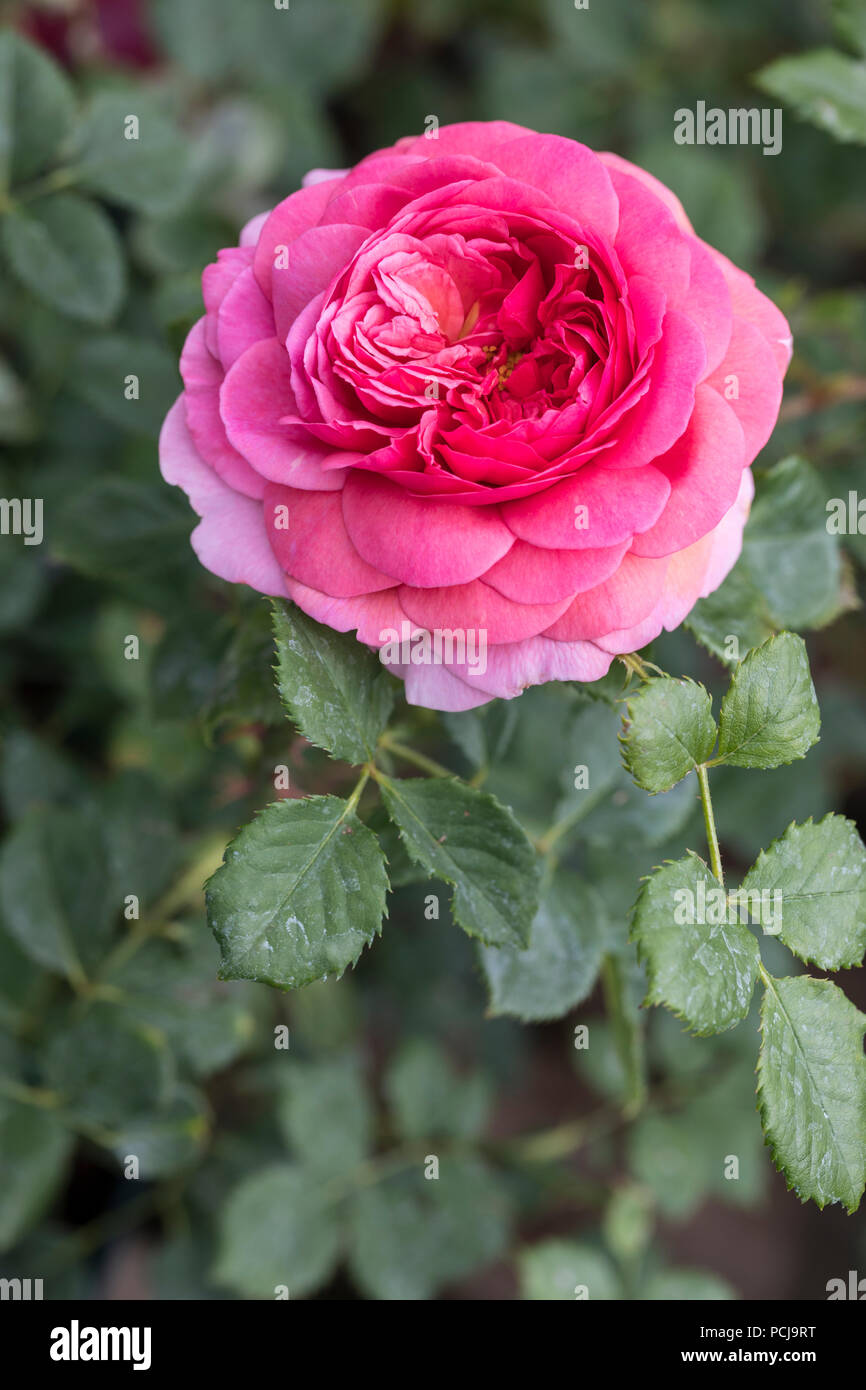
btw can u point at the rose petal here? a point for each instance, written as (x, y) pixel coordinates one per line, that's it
(569, 173)
(203, 377)
(230, 540)
(531, 575)
(750, 369)
(618, 503)
(255, 395)
(477, 607)
(423, 543)
(704, 469)
(626, 598)
(245, 317)
(314, 547)
(373, 615)
(291, 217)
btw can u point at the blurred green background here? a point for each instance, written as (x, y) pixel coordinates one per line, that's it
(125, 776)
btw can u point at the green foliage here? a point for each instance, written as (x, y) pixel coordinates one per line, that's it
(325, 1114)
(789, 573)
(770, 714)
(467, 838)
(669, 731)
(560, 965)
(812, 1083)
(34, 1150)
(143, 167)
(165, 1139)
(121, 531)
(102, 366)
(301, 893)
(52, 892)
(702, 968)
(283, 1140)
(334, 688)
(37, 105)
(410, 1235)
(823, 86)
(277, 1230)
(66, 251)
(427, 1099)
(564, 1269)
(107, 1069)
(703, 961)
(820, 873)
(686, 1285)
(684, 1155)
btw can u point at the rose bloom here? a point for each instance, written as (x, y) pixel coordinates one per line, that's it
(487, 383)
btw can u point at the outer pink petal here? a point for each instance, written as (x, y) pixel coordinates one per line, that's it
(727, 539)
(692, 574)
(569, 173)
(648, 241)
(705, 468)
(662, 413)
(322, 176)
(252, 230)
(255, 395)
(230, 540)
(708, 303)
(479, 608)
(426, 543)
(618, 503)
(751, 360)
(626, 598)
(514, 666)
(478, 138)
(533, 575)
(633, 638)
(435, 687)
(372, 614)
(245, 317)
(753, 306)
(291, 217)
(312, 261)
(661, 190)
(216, 281)
(315, 548)
(203, 377)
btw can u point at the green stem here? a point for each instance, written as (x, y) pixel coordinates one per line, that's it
(39, 1096)
(710, 823)
(555, 832)
(627, 1032)
(635, 666)
(409, 755)
(373, 1170)
(50, 183)
(358, 789)
(182, 894)
(548, 1145)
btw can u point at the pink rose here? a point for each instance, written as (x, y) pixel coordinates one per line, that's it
(489, 383)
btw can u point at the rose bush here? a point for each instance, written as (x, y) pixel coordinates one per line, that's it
(489, 382)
